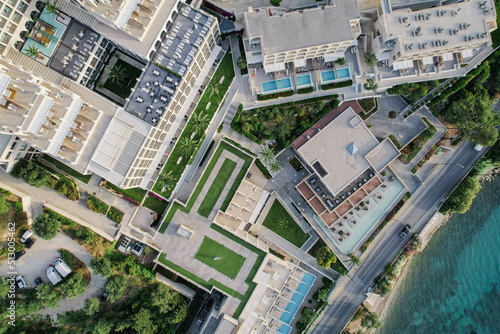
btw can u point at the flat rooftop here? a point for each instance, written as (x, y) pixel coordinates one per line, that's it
(340, 148)
(440, 27)
(382, 155)
(299, 29)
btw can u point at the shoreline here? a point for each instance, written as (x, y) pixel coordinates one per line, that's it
(383, 304)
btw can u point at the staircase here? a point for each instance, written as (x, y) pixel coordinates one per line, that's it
(32, 65)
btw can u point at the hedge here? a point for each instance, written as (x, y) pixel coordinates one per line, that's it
(305, 90)
(340, 84)
(262, 97)
(263, 169)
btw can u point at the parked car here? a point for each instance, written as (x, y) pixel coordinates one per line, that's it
(26, 235)
(405, 231)
(38, 281)
(29, 242)
(17, 255)
(21, 283)
(53, 275)
(478, 147)
(61, 267)
(368, 291)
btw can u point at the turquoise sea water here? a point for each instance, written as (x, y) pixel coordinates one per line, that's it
(453, 286)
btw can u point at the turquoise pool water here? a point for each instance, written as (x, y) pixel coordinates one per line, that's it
(343, 73)
(366, 223)
(287, 317)
(297, 298)
(44, 49)
(284, 329)
(276, 85)
(51, 19)
(327, 76)
(303, 80)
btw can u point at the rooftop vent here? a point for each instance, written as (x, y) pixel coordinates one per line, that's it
(352, 148)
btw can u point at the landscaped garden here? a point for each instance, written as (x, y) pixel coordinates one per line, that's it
(68, 170)
(122, 78)
(222, 146)
(156, 204)
(217, 187)
(133, 195)
(182, 152)
(97, 205)
(280, 222)
(11, 211)
(413, 148)
(220, 258)
(336, 265)
(283, 122)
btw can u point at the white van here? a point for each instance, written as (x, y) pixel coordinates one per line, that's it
(61, 267)
(26, 235)
(52, 275)
(478, 147)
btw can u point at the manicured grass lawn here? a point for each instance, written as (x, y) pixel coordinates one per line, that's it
(155, 204)
(122, 87)
(289, 230)
(137, 194)
(217, 187)
(222, 146)
(68, 170)
(225, 70)
(220, 258)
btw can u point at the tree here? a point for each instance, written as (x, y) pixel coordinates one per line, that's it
(325, 257)
(275, 2)
(242, 63)
(116, 74)
(102, 266)
(275, 167)
(52, 8)
(48, 296)
(4, 205)
(461, 198)
(340, 61)
(370, 320)
(282, 223)
(370, 84)
(91, 306)
(266, 154)
(199, 122)
(102, 326)
(187, 146)
(354, 260)
(32, 51)
(214, 89)
(371, 59)
(164, 298)
(74, 286)
(166, 180)
(4, 288)
(115, 288)
(322, 293)
(143, 323)
(247, 127)
(45, 226)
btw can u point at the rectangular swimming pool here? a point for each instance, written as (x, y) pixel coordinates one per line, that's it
(284, 329)
(303, 80)
(287, 317)
(327, 75)
(343, 73)
(269, 86)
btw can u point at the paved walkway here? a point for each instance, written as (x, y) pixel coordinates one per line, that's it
(78, 210)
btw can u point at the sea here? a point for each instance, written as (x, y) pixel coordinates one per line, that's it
(453, 285)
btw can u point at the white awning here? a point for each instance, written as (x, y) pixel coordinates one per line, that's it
(66, 122)
(402, 64)
(428, 60)
(126, 12)
(112, 144)
(274, 67)
(40, 115)
(467, 54)
(300, 62)
(447, 56)
(333, 56)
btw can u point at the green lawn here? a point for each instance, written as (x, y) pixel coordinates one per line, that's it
(219, 257)
(122, 87)
(225, 70)
(217, 187)
(137, 194)
(222, 146)
(68, 170)
(155, 204)
(280, 222)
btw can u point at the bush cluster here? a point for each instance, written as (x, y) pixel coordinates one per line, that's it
(96, 205)
(340, 84)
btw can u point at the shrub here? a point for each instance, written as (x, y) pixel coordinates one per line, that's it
(263, 169)
(96, 205)
(45, 226)
(102, 266)
(392, 114)
(305, 90)
(371, 59)
(340, 61)
(340, 84)
(262, 97)
(115, 215)
(325, 257)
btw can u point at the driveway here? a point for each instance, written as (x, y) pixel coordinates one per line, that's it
(42, 254)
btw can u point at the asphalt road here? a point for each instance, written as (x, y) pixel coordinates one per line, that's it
(419, 210)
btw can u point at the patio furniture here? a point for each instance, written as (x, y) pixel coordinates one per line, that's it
(74, 47)
(81, 34)
(360, 184)
(318, 189)
(365, 180)
(354, 189)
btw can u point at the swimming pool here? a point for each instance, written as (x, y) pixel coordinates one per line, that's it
(303, 80)
(284, 329)
(276, 85)
(297, 298)
(365, 223)
(52, 19)
(343, 73)
(327, 75)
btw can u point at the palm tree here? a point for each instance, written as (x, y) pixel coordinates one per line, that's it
(275, 166)
(266, 155)
(200, 122)
(214, 89)
(353, 259)
(52, 8)
(187, 145)
(282, 223)
(32, 51)
(166, 181)
(117, 73)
